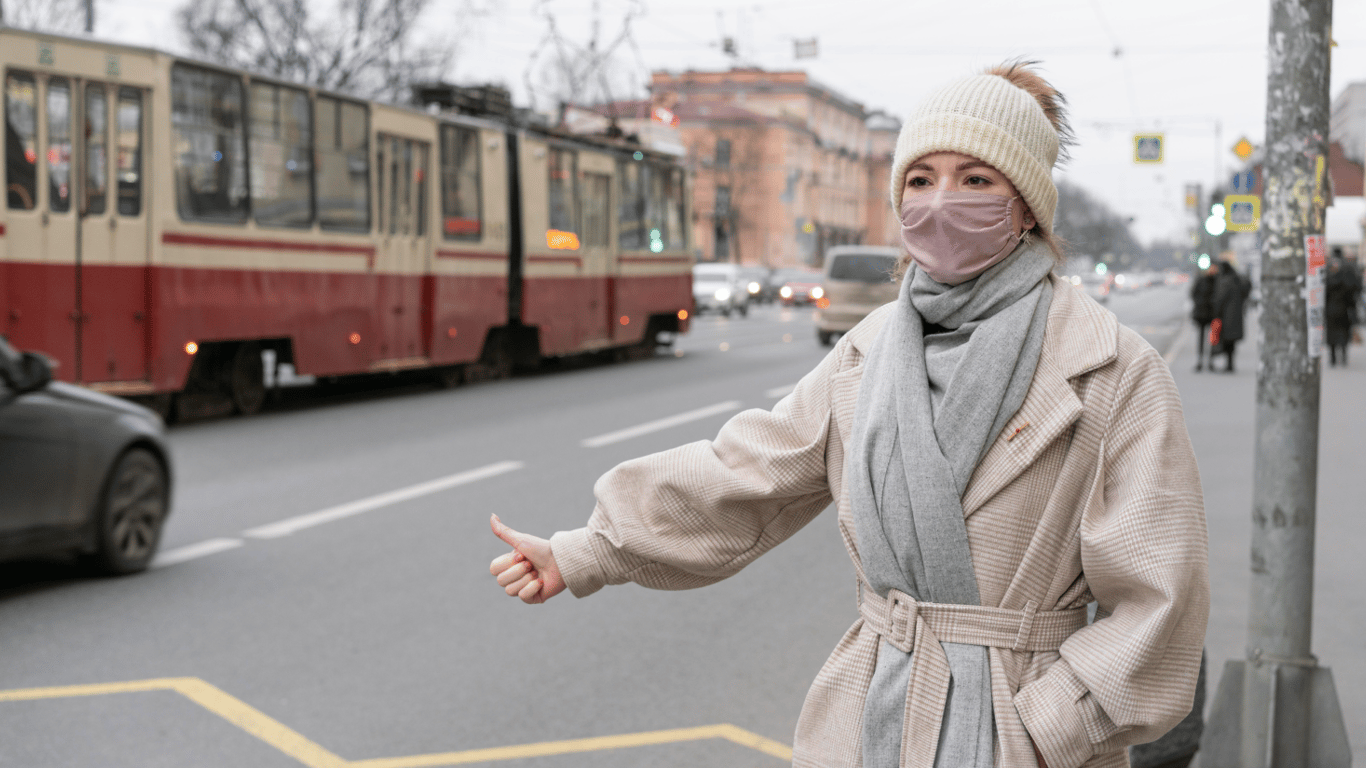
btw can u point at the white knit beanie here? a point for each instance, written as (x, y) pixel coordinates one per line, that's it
(993, 120)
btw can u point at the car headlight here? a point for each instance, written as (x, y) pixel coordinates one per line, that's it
(785, 292)
(817, 292)
(722, 294)
(753, 288)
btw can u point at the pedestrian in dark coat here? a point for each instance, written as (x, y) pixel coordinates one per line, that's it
(1202, 294)
(1230, 293)
(1340, 289)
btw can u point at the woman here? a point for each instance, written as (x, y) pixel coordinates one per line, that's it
(1002, 453)
(1339, 309)
(1230, 293)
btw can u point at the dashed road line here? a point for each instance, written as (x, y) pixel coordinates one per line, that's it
(659, 424)
(193, 551)
(780, 391)
(311, 754)
(293, 524)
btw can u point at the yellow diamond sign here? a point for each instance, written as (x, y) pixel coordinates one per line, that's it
(1243, 149)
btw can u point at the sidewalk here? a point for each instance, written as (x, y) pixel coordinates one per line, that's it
(1220, 414)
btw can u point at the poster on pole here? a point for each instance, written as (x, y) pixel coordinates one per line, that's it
(1316, 264)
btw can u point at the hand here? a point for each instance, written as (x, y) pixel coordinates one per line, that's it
(529, 570)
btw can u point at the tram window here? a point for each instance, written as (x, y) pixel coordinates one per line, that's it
(596, 208)
(281, 151)
(658, 206)
(395, 186)
(419, 176)
(343, 157)
(631, 207)
(674, 215)
(96, 149)
(461, 210)
(129, 160)
(563, 211)
(58, 145)
(209, 145)
(21, 141)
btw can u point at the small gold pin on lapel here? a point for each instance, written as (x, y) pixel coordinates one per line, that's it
(1017, 431)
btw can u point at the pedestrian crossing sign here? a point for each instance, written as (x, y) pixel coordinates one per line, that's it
(1243, 213)
(1148, 147)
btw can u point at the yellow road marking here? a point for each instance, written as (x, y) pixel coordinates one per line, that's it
(292, 743)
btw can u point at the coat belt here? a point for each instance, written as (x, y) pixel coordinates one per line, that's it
(895, 617)
(907, 623)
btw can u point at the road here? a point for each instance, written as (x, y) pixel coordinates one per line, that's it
(322, 596)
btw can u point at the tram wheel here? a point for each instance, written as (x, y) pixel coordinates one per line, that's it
(247, 379)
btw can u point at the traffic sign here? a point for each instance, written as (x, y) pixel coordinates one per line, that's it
(1244, 182)
(1243, 149)
(1148, 147)
(1243, 213)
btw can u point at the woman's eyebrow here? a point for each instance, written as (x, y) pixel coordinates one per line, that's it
(972, 164)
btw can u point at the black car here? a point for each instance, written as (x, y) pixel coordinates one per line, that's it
(80, 472)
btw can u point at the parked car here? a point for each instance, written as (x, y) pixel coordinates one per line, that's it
(1096, 286)
(857, 280)
(80, 472)
(799, 286)
(718, 287)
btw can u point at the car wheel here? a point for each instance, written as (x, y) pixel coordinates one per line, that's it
(744, 310)
(725, 312)
(131, 513)
(825, 337)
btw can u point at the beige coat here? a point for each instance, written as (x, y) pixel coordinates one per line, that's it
(1090, 493)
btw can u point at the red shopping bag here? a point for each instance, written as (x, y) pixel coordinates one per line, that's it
(1214, 331)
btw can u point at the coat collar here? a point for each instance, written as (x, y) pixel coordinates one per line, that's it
(1081, 336)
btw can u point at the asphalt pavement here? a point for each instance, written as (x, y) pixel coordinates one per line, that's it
(322, 597)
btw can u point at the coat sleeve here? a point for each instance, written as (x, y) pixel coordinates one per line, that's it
(1130, 677)
(693, 515)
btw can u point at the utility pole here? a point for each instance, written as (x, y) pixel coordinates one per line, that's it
(90, 17)
(1279, 708)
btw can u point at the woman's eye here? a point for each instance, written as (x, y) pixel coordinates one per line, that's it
(978, 181)
(918, 181)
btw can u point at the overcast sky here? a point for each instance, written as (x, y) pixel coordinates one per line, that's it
(1192, 69)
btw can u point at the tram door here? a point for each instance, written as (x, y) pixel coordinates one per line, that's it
(112, 241)
(75, 238)
(404, 242)
(40, 230)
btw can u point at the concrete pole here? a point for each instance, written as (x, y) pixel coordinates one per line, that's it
(90, 17)
(1278, 709)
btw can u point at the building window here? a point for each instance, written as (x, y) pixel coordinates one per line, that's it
(281, 152)
(58, 145)
(343, 156)
(21, 141)
(128, 145)
(723, 153)
(209, 145)
(460, 194)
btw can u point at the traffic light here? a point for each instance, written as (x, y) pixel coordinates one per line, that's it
(1215, 224)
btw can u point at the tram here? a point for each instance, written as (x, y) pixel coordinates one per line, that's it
(168, 221)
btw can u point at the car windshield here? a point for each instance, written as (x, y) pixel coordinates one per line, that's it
(797, 276)
(862, 267)
(712, 273)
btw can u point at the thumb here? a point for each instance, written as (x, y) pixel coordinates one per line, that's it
(510, 537)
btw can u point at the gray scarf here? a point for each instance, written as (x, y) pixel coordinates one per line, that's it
(929, 407)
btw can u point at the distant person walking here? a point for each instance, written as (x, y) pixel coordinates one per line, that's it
(1230, 297)
(1202, 294)
(1340, 300)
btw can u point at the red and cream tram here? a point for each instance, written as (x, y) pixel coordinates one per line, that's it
(166, 221)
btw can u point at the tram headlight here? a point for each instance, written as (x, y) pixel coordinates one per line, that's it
(722, 294)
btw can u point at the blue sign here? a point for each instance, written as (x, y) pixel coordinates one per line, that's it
(1244, 182)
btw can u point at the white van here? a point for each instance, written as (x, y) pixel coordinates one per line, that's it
(857, 280)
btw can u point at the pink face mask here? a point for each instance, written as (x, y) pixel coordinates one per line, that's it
(956, 236)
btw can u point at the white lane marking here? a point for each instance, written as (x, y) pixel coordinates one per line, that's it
(290, 525)
(780, 391)
(192, 551)
(658, 424)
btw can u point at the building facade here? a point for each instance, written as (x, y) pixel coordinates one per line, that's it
(782, 166)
